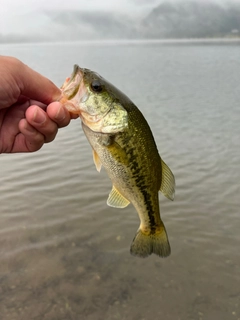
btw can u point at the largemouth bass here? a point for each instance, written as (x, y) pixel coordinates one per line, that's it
(122, 142)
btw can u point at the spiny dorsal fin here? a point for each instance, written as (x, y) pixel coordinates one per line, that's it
(116, 200)
(97, 161)
(168, 182)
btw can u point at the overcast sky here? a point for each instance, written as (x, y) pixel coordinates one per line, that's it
(25, 15)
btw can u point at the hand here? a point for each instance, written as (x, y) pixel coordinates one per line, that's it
(28, 116)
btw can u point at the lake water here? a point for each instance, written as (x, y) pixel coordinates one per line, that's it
(65, 254)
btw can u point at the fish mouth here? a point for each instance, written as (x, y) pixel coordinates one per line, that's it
(72, 84)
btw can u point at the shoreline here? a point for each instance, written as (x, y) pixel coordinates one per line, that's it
(133, 41)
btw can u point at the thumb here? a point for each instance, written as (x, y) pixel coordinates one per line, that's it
(32, 84)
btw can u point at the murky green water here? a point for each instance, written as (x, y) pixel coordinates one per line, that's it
(65, 254)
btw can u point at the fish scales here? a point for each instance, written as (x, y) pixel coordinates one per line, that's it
(134, 165)
(132, 161)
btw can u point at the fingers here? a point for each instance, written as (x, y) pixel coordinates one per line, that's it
(40, 121)
(47, 122)
(36, 129)
(59, 114)
(30, 139)
(41, 126)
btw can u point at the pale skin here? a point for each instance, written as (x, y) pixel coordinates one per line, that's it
(29, 112)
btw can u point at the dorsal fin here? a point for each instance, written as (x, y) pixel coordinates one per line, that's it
(116, 199)
(168, 182)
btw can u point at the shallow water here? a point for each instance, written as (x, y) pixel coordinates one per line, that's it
(65, 253)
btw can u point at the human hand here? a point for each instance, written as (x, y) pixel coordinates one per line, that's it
(28, 116)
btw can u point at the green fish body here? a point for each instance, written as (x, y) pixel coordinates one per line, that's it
(123, 144)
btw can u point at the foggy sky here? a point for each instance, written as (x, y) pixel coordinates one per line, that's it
(26, 16)
(14, 12)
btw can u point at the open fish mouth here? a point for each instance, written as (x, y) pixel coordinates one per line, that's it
(72, 84)
(74, 91)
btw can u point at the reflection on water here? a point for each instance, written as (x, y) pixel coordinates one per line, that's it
(65, 254)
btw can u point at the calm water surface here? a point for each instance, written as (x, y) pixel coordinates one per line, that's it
(65, 253)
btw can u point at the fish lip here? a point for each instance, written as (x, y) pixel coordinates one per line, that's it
(76, 70)
(72, 84)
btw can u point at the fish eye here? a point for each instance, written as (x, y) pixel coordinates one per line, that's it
(96, 86)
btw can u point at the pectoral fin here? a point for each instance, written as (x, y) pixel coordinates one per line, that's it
(116, 200)
(168, 182)
(97, 161)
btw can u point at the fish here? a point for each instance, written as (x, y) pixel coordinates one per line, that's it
(122, 142)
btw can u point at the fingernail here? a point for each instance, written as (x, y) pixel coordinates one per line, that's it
(61, 114)
(39, 116)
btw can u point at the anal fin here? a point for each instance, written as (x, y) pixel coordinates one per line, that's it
(116, 199)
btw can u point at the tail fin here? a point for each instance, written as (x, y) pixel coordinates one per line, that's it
(155, 242)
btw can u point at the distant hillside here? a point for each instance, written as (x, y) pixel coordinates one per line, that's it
(182, 19)
(192, 19)
(77, 25)
(185, 19)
